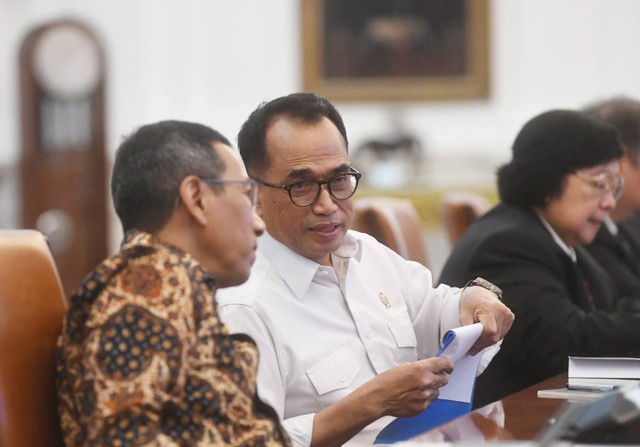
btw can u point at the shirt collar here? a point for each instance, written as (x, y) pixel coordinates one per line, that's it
(570, 251)
(298, 271)
(351, 247)
(139, 243)
(611, 225)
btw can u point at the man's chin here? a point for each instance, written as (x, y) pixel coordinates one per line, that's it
(587, 238)
(236, 279)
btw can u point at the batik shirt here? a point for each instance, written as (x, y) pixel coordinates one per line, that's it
(144, 359)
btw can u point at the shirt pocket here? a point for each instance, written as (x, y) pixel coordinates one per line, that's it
(402, 330)
(334, 373)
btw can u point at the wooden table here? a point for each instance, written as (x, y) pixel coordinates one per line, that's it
(525, 414)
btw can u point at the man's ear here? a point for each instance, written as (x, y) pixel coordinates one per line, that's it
(192, 195)
(627, 163)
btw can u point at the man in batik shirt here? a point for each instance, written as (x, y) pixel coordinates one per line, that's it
(143, 358)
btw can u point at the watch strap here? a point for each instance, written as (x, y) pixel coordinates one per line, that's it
(481, 282)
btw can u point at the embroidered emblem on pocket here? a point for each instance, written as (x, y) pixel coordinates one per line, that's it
(384, 300)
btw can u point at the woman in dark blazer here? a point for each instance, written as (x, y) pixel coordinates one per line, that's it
(563, 179)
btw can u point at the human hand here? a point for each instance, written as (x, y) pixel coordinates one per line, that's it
(479, 305)
(409, 389)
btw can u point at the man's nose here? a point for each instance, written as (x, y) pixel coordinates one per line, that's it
(258, 224)
(325, 203)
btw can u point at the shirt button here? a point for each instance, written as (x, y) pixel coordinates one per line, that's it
(342, 377)
(368, 333)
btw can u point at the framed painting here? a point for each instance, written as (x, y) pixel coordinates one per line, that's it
(395, 50)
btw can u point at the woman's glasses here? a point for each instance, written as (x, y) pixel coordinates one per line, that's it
(604, 183)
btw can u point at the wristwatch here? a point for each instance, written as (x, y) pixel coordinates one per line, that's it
(481, 282)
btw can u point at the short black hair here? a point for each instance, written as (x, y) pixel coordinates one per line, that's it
(548, 148)
(150, 165)
(302, 107)
(623, 113)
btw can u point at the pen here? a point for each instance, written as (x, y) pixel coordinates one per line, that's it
(592, 388)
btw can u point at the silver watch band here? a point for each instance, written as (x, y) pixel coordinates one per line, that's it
(481, 282)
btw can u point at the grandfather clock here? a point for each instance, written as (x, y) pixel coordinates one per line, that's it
(62, 166)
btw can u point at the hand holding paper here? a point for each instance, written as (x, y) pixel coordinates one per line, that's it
(479, 305)
(455, 397)
(456, 344)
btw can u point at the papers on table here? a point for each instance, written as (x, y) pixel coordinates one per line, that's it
(566, 393)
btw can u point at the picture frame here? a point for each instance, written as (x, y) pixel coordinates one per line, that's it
(396, 50)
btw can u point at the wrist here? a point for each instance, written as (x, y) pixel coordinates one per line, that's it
(483, 283)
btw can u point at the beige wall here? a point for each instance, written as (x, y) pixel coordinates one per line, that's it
(214, 61)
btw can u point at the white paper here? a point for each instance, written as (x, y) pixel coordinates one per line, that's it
(462, 380)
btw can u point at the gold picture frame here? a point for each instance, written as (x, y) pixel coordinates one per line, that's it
(359, 50)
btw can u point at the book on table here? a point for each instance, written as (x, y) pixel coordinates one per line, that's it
(602, 372)
(589, 377)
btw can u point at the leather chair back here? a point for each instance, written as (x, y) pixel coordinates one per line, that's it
(393, 222)
(32, 307)
(459, 210)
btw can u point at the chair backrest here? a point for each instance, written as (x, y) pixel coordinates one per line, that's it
(32, 307)
(459, 210)
(393, 222)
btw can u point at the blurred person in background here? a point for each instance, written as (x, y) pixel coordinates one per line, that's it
(617, 245)
(555, 193)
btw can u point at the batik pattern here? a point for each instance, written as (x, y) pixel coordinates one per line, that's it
(144, 359)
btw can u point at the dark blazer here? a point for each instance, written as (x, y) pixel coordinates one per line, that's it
(632, 225)
(560, 309)
(619, 255)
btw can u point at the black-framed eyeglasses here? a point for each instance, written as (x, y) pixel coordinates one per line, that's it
(305, 192)
(251, 187)
(604, 183)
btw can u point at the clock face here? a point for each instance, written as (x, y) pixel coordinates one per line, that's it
(66, 62)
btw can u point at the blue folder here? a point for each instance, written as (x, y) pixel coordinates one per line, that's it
(439, 412)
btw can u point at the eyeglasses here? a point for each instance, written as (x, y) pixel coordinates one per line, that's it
(604, 183)
(251, 190)
(305, 192)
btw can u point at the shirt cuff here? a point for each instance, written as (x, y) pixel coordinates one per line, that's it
(488, 354)
(450, 318)
(300, 429)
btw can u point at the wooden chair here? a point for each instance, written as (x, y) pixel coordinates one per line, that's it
(459, 210)
(32, 307)
(394, 222)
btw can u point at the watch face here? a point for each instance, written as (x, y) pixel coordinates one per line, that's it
(66, 61)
